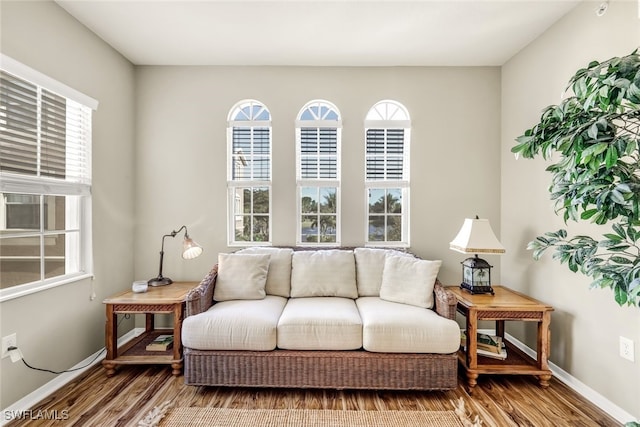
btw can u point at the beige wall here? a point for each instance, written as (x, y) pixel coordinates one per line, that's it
(59, 327)
(173, 161)
(182, 148)
(586, 323)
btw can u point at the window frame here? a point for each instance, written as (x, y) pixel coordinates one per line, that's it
(385, 115)
(235, 184)
(319, 121)
(43, 186)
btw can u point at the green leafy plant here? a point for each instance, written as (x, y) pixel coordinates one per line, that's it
(594, 135)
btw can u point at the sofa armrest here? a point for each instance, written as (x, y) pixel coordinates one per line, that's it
(200, 298)
(445, 301)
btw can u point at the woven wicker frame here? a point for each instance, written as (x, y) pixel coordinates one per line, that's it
(358, 369)
(321, 369)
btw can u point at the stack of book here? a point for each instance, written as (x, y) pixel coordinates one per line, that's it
(161, 343)
(486, 345)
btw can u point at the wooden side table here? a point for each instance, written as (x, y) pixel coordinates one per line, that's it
(168, 299)
(505, 305)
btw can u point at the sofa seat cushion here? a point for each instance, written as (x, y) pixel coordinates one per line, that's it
(320, 323)
(235, 325)
(390, 327)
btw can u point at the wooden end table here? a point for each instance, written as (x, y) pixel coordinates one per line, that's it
(505, 305)
(169, 299)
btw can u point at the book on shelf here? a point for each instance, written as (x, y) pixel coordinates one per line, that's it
(161, 343)
(485, 342)
(502, 355)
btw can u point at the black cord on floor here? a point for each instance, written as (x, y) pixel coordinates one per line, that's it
(67, 370)
(58, 372)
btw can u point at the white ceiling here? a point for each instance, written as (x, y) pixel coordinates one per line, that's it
(327, 33)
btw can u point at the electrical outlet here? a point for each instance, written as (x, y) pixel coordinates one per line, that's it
(8, 341)
(626, 349)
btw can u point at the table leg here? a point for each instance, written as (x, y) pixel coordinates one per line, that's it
(472, 380)
(111, 341)
(177, 340)
(150, 321)
(500, 328)
(472, 335)
(543, 348)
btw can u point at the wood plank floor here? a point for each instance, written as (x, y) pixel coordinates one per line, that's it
(122, 400)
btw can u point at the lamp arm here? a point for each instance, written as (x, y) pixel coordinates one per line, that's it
(172, 234)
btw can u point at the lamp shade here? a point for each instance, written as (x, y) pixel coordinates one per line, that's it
(475, 237)
(190, 249)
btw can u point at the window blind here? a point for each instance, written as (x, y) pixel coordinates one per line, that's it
(251, 153)
(318, 153)
(43, 134)
(385, 154)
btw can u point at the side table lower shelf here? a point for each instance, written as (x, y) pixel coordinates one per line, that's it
(135, 352)
(516, 363)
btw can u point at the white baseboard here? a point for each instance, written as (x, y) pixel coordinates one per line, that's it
(29, 401)
(579, 387)
(36, 396)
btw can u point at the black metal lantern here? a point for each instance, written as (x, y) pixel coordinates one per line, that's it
(476, 236)
(476, 276)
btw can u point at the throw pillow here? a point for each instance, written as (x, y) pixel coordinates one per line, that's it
(409, 280)
(369, 266)
(241, 276)
(323, 273)
(279, 276)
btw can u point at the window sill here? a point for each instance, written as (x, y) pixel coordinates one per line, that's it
(31, 288)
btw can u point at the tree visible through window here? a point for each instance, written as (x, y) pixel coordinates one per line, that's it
(249, 173)
(318, 131)
(387, 128)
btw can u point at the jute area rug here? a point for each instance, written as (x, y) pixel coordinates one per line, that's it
(166, 416)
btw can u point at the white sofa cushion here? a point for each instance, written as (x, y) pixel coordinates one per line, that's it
(409, 280)
(241, 276)
(390, 327)
(235, 325)
(279, 275)
(369, 267)
(323, 273)
(320, 323)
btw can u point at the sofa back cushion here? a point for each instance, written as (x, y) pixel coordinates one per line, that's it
(369, 266)
(323, 273)
(279, 275)
(241, 276)
(409, 280)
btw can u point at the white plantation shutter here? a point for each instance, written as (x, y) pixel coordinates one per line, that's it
(44, 138)
(318, 153)
(385, 154)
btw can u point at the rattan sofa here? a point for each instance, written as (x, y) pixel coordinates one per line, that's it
(319, 368)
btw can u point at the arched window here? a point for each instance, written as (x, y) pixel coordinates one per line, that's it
(387, 129)
(249, 173)
(318, 134)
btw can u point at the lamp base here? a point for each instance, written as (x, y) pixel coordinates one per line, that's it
(160, 281)
(477, 289)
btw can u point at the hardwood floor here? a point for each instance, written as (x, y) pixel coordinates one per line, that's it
(122, 400)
